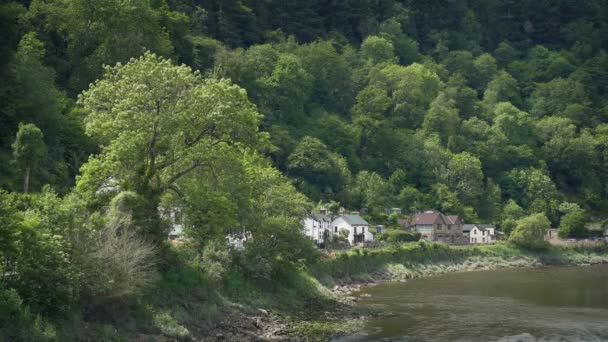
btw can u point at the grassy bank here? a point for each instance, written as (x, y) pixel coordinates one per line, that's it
(420, 259)
(185, 305)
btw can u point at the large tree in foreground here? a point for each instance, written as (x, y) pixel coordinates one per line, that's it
(157, 123)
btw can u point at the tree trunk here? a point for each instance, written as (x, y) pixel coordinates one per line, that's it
(26, 180)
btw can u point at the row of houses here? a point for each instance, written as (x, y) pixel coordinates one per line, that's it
(432, 225)
(323, 226)
(451, 229)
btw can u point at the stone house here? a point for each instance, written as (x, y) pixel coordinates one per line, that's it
(434, 226)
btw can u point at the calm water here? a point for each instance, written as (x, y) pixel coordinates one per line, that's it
(548, 304)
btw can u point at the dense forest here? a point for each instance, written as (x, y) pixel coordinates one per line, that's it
(250, 112)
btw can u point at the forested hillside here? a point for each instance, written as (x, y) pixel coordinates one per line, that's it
(245, 113)
(460, 105)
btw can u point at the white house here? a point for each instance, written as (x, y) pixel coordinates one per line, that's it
(175, 215)
(318, 226)
(355, 225)
(479, 233)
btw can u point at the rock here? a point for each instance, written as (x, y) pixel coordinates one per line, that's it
(219, 336)
(264, 312)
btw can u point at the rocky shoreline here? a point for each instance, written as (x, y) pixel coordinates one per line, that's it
(243, 324)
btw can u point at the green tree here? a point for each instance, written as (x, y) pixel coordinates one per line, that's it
(442, 118)
(286, 90)
(29, 152)
(558, 97)
(321, 172)
(530, 231)
(405, 47)
(485, 70)
(372, 191)
(412, 90)
(502, 88)
(157, 123)
(512, 211)
(375, 49)
(96, 33)
(516, 125)
(572, 223)
(465, 177)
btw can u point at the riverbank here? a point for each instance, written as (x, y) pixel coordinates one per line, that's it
(308, 304)
(347, 271)
(318, 303)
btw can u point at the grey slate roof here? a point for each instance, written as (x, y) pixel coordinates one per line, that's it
(355, 220)
(480, 226)
(321, 217)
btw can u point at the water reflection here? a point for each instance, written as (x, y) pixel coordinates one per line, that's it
(548, 304)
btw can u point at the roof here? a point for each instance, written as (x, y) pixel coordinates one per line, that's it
(453, 219)
(354, 220)
(428, 217)
(479, 226)
(320, 217)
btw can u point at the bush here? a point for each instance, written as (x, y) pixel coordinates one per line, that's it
(18, 324)
(276, 247)
(215, 261)
(117, 262)
(399, 236)
(530, 231)
(572, 224)
(44, 273)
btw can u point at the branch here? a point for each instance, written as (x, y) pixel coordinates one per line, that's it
(176, 190)
(183, 173)
(199, 136)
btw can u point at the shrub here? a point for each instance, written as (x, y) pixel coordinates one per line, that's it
(44, 273)
(215, 260)
(530, 231)
(399, 236)
(117, 261)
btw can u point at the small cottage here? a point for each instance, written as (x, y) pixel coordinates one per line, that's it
(355, 225)
(479, 233)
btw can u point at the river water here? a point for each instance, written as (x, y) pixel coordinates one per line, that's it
(541, 304)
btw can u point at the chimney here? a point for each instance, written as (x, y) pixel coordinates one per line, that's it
(323, 211)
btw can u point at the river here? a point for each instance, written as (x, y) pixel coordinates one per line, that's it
(540, 304)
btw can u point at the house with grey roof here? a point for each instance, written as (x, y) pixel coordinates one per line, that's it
(479, 233)
(318, 226)
(354, 226)
(436, 227)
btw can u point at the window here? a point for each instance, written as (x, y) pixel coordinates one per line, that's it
(335, 229)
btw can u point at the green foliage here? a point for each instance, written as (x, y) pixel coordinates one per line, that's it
(370, 103)
(152, 134)
(29, 151)
(319, 167)
(572, 223)
(376, 49)
(442, 118)
(394, 236)
(530, 231)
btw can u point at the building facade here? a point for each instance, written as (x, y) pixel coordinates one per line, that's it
(434, 226)
(356, 227)
(480, 233)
